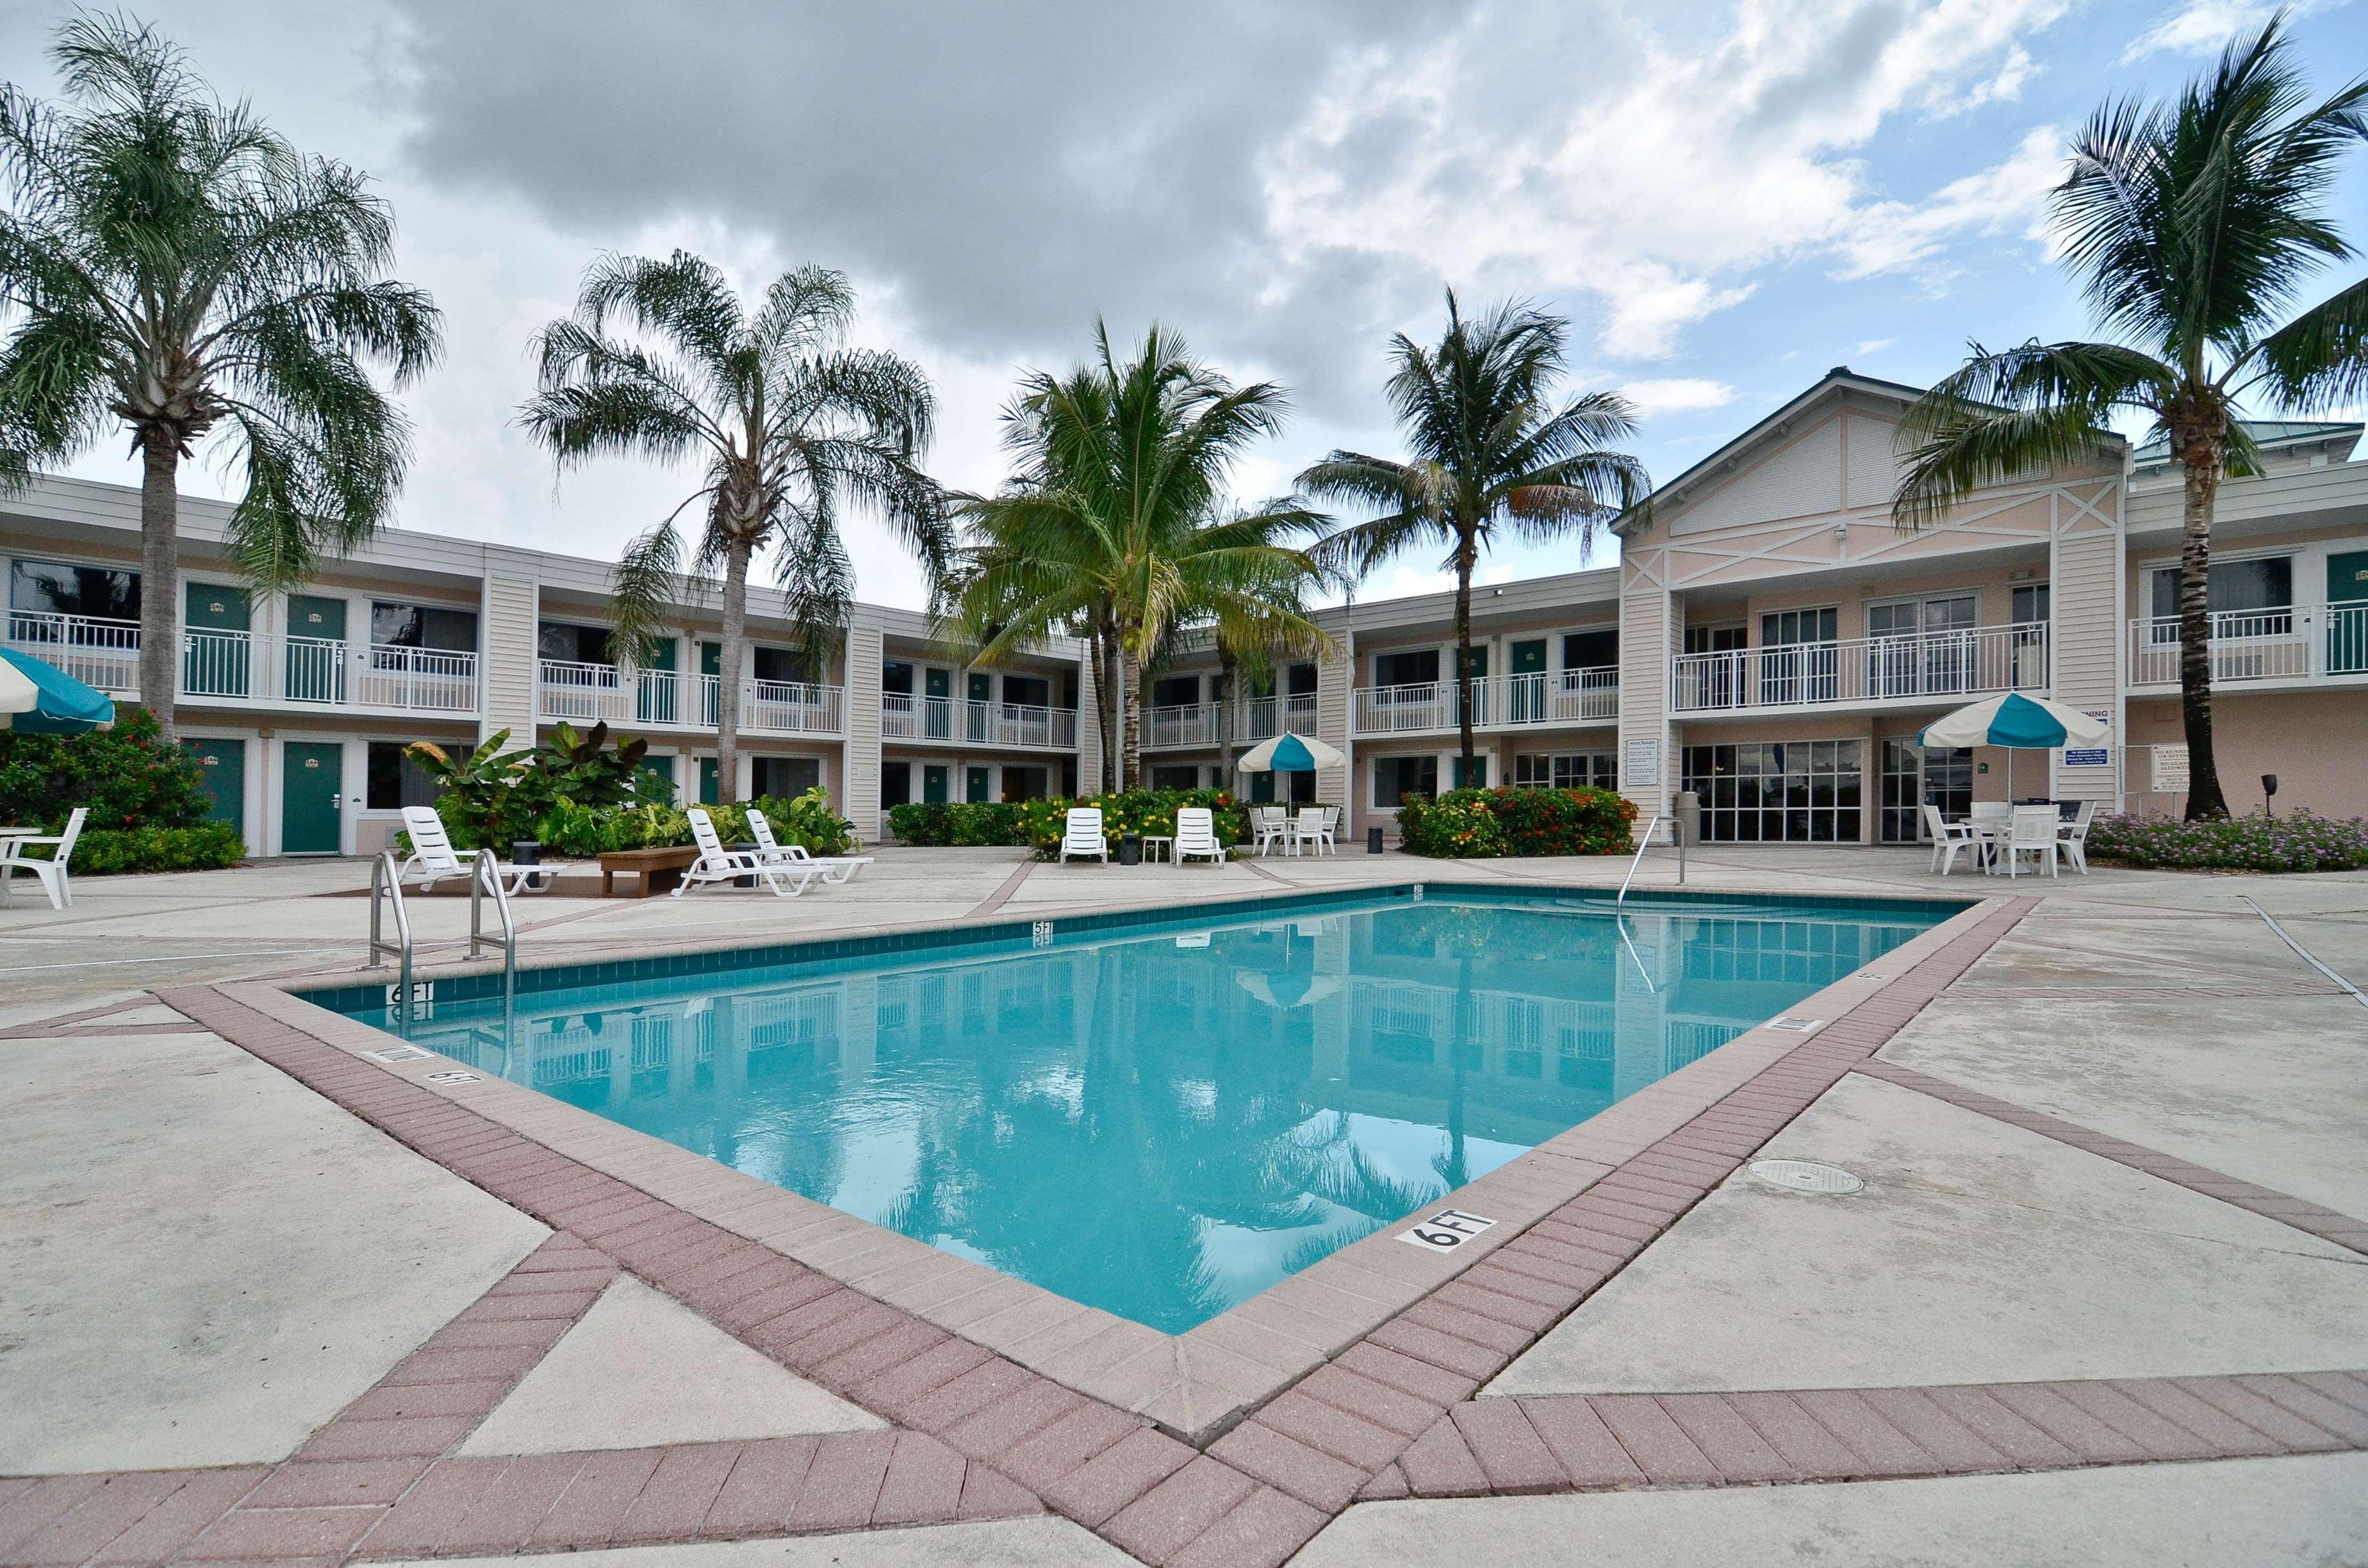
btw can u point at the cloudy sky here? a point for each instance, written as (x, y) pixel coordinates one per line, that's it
(1725, 199)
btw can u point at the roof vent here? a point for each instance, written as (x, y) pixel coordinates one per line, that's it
(1837, 370)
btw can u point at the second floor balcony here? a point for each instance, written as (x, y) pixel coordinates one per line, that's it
(2284, 642)
(578, 693)
(255, 669)
(1202, 723)
(1498, 702)
(1024, 726)
(1864, 671)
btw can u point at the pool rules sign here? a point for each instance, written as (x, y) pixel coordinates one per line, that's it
(1445, 1230)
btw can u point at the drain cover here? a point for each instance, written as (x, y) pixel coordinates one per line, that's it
(1805, 1176)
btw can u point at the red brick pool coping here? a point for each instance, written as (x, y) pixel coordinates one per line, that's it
(1390, 1412)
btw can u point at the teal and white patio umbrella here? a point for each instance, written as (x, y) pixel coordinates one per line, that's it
(2016, 723)
(1289, 753)
(40, 699)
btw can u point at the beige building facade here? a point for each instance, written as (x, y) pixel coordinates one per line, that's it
(1768, 640)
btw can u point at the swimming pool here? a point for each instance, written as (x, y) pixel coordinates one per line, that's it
(1161, 1114)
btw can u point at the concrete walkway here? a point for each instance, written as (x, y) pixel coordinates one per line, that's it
(207, 1262)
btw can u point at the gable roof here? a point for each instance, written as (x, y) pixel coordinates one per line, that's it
(1832, 387)
(2273, 434)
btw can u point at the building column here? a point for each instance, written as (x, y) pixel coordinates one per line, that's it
(861, 800)
(2087, 633)
(1336, 678)
(508, 624)
(1648, 637)
(1089, 729)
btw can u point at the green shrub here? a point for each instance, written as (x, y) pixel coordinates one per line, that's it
(1483, 823)
(2298, 840)
(571, 829)
(128, 777)
(567, 785)
(206, 846)
(958, 822)
(1151, 811)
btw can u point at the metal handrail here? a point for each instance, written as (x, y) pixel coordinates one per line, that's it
(487, 872)
(1656, 820)
(386, 886)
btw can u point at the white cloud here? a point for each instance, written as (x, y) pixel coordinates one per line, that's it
(1671, 167)
(1873, 346)
(2200, 27)
(1676, 394)
(2009, 198)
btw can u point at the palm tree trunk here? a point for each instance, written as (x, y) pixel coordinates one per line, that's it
(1131, 777)
(727, 679)
(2203, 797)
(1112, 700)
(160, 575)
(1466, 555)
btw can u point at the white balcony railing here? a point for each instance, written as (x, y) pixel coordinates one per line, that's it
(1024, 725)
(1263, 717)
(579, 693)
(1184, 724)
(2290, 642)
(254, 667)
(1973, 662)
(1498, 702)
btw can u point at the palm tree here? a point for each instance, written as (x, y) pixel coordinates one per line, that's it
(2191, 224)
(1115, 526)
(175, 267)
(1490, 448)
(787, 424)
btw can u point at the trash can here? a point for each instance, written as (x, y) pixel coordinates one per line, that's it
(1374, 840)
(1130, 849)
(748, 848)
(527, 852)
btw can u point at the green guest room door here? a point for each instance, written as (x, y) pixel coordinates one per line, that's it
(2347, 613)
(311, 785)
(316, 650)
(222, 769)
(213, 645)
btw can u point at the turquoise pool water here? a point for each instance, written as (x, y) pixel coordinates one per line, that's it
(1164, 1117)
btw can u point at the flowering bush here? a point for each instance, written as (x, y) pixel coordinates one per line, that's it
(127, 775)
(2298, 840)
(1478, 824)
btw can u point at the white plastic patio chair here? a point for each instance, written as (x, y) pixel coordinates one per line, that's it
(1988, 820)
(1081, 835)
(2032, 831)
(837, 868)
(1948, 839)
(2072, 837)
(1271, 825)
(49, 870)
(787, 879)
(432, 852)
(1314, 825)
(1195, 835)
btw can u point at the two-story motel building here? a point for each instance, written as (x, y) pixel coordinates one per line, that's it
(1768, 639)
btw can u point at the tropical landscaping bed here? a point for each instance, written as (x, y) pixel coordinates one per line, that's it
(1038, 824)
(2299, 841)
(147, 799)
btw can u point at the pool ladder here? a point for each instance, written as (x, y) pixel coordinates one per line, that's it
(386, 892)
(1677, 837)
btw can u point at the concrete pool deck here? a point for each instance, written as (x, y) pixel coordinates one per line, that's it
(2113, 1224)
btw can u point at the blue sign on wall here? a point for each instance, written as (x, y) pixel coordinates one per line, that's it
(2088, 756)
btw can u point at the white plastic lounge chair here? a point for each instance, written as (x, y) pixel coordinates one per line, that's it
(1195, 835)
(2072, 837)
(1273, 825)
(432, 853)
(1081, 835)
(1948, 839)
(835, 869)
(1314, 825)
(2032, 831)
(49, 870)
(788, 878)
